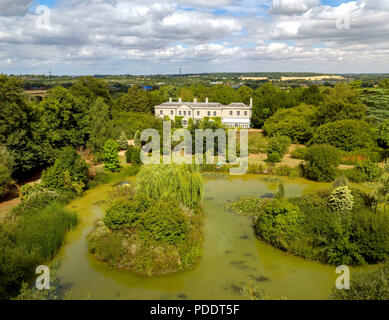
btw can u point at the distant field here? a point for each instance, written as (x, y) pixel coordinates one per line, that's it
(313, 78)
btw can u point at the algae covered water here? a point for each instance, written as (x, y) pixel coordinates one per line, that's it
(232, 255)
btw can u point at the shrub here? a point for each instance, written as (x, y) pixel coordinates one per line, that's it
(111, 157)
(164, 222)
(295, 123)
(347, 135)
(299, 153)
(180, 182)
(129, 152)
(278, 223)
(368, 285)
(123, 141)
(69, 173)
(341, 181)
(341, 199)
(368, 169)
(278, 144)
(122, 214)
(5, 179)
(248, 206)
(322, 163)
(355, 175)
(274, 157)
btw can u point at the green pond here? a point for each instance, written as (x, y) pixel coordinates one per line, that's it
(231, 256)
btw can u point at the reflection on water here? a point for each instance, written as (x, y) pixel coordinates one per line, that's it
(232, 254)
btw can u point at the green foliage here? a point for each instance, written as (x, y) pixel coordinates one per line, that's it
(384, 84)
(383, 135)
(274, 157)
(295, 123)
(122, 214)
(368, 285)
(64, 121)
(100, 124)
(6, 165)
(369, 169)
(137, 139)
(347, 135)
(184, 183)
(111, 156)
(133, 155)
(322, 163)
(381, 191)
(342, 103)
(341, 199)
(69, 172)
(308, 227)
(278, 223)
(136, 100)
(278, 144)
(90, 89)
(164, 222)
(248, 206)
(31, 240)
(123, 141)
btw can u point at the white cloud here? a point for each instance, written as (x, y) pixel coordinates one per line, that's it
(122, 36)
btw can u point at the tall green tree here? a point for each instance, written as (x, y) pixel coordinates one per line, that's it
(64, 121)
(136, 100)
(100, 126)
(111, 157)
(90, 88)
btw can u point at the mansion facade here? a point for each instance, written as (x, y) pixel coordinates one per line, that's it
(234, 115)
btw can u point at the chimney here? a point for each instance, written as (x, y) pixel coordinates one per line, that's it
(195, 100)
(170, 99)
(251, 102)
(180, 100)
(206, 100)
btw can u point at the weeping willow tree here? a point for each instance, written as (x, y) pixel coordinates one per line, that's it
(181, 182)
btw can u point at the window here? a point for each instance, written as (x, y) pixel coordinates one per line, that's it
(184, 113)
(161, 112)
(245, 113)
(184, 123)
(189, 113)
(198, 113)
(171, 112)
(214, 113)
(230, 113)
(179, 113)
(238, 113)
(209, 113)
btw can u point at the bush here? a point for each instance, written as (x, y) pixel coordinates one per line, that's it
(30, 240)
(164, 222)
(122, 214)
(180, 182)
(299, 153)
(355, 175)
(278, 223)
(248, 206)
(6, 180)
(369, 169)
(133, 155)
(69, 173)
(111, 157)
(347, 135)
(322, 163)
(274, 157)
(279, 144)
(341, 199)
(368, 285)
(123, 141)
(295, 123)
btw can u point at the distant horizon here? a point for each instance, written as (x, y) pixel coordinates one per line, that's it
(195, 73)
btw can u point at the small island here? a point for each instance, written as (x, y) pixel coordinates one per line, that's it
(156, 227)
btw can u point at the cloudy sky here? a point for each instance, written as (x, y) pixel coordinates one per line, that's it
(149, 37)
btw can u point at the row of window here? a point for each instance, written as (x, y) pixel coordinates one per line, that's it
(238, 125)
(183, 113)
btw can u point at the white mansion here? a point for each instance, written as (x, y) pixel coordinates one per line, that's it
(234, 115)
